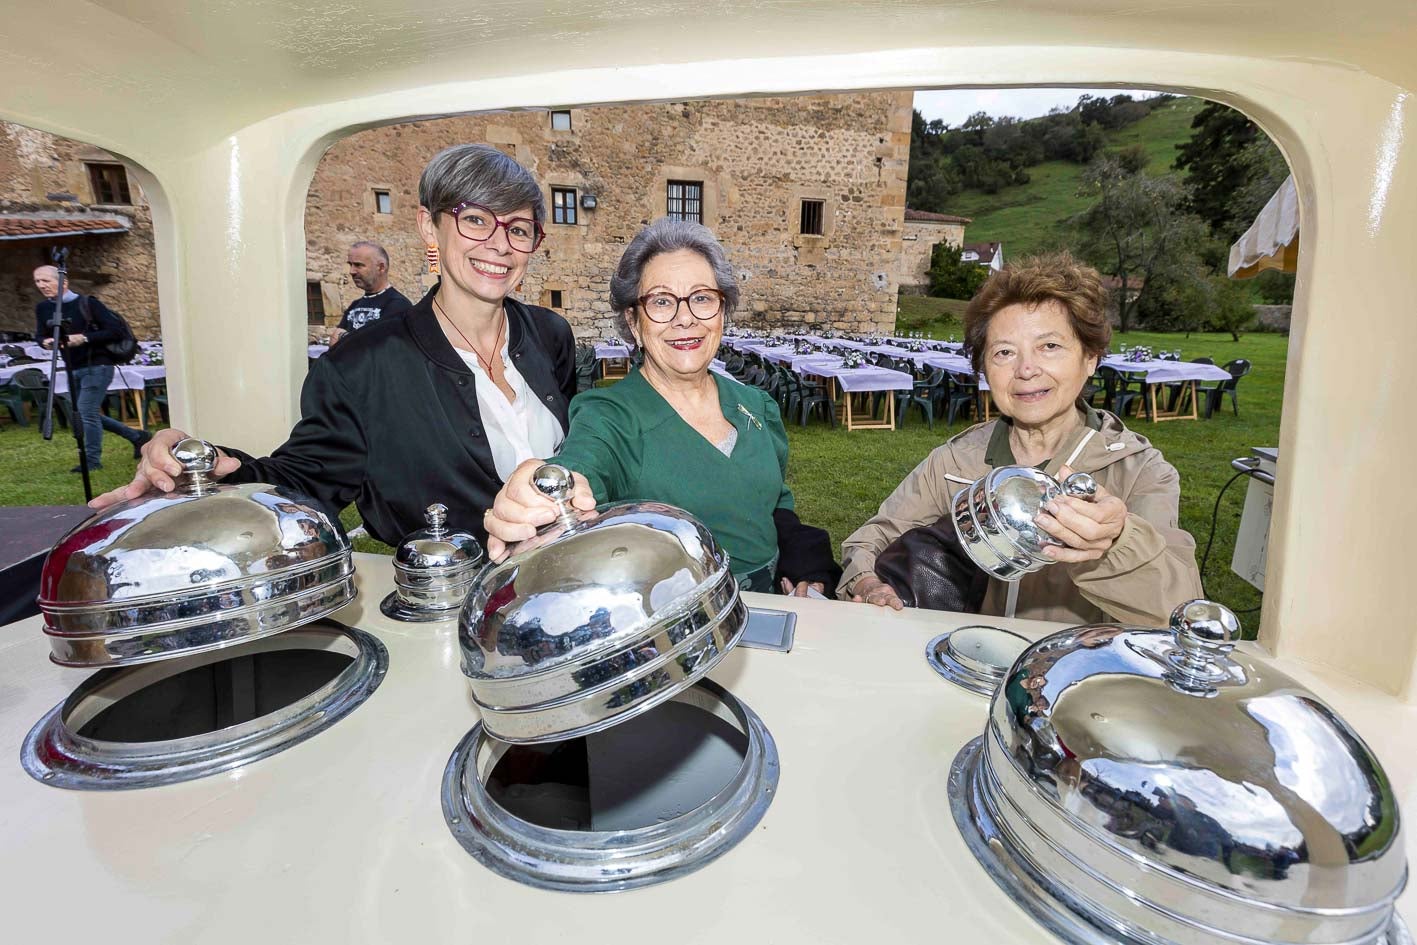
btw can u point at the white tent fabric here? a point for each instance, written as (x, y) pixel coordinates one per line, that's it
(1272, 241)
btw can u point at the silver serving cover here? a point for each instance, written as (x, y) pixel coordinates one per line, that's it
(598, 618)
(207, 565)
(433, 570)
(995, 517)
(1167, 789)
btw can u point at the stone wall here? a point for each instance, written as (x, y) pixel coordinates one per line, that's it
(918, 242)
(1274, 317)
(758, 160)
(43, 173)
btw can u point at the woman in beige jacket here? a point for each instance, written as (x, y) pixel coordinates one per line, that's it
(1037, 330)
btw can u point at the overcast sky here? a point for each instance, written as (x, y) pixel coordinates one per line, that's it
(954, 106)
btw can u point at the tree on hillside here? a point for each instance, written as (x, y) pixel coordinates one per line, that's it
(951, 277)
(1135, 228)
(1231, 168)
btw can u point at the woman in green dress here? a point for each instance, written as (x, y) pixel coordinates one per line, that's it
(673, 431)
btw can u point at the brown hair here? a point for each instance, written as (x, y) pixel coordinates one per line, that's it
(1031, 281)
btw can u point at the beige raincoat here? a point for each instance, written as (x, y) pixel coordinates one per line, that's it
(1148, 570)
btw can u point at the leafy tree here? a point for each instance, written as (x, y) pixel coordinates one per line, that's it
(1230, 307)
(931, 184)
(1231, 168)
(1135, 229)
(951, 277)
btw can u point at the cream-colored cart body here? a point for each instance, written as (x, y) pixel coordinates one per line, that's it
(341, 839)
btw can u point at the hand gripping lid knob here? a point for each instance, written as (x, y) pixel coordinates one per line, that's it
(556, 482)
(198, 459)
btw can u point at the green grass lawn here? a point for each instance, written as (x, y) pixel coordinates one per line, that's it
(1032, 218)
(840, 478)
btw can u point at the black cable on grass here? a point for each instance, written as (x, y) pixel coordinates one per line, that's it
(1210, 539)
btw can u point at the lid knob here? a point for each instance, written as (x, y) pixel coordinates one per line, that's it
(1205, 632)
(436, 515)
(556, 483)
(1080, 484)
(198, 459)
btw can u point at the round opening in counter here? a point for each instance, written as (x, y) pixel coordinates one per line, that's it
(188, 717)
(647, 800)
(975, 657)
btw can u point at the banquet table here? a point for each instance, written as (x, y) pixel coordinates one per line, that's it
(615, 358)
(129, 379)
(314, 351)
(861, 380)
(1156, 373)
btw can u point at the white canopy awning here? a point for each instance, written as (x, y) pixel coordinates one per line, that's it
(1272, 241)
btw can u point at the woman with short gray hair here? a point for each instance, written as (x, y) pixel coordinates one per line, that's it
(672, 431)
(442, 404)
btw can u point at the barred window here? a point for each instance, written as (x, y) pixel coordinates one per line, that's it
(812, 212)
(563, 205)
(686, 200)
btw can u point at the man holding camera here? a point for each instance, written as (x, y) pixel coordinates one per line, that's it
(86, 326)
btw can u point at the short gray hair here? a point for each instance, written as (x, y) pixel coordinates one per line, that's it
(379, 251)
(479, 173)
(667, 235)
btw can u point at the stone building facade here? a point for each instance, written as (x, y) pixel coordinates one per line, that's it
(922, 232)
(51, 190)
(806, 193)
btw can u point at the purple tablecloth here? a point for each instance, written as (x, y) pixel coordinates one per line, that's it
(609, 352)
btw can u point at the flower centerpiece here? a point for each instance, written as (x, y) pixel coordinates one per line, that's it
(1139, 354)
(803, 346)
(149, 357)
(916, 346)
(853, 359)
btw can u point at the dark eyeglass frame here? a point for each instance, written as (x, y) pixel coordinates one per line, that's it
(683, 300)
(497, 221)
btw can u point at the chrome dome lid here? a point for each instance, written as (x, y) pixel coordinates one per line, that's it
(1161, 787)
(433, 570)
(204, 566)
(596, 619)
(994, 517)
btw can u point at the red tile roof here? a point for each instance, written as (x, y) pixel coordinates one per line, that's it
(924, 216)
(31, 226)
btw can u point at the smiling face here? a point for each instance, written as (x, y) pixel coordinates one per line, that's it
(1035, 364)
(487, 271)
(684, 346)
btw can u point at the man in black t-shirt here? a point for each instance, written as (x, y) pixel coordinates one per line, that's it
(369, 270)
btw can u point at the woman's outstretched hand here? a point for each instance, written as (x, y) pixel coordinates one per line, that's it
(158, 469)
(872, 590)
(520, 508)
(1087, 528)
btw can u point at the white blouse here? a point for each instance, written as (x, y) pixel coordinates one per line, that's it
(518, 430)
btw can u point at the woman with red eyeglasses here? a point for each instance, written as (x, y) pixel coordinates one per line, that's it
(438, 406)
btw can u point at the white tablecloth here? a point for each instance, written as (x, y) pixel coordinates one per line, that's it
(609, 351)
(314, 351)
(857, 380)
(126, 377)
(1163, 372)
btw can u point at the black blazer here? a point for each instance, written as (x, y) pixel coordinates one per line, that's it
(389, 420)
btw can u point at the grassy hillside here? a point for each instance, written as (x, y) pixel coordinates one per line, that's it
(1031, 217)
